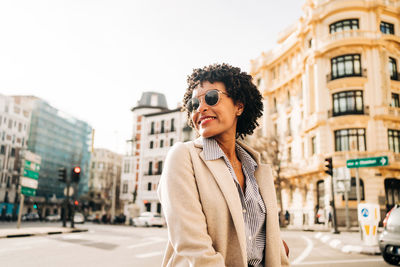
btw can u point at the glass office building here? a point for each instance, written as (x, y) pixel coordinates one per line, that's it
(61, 141)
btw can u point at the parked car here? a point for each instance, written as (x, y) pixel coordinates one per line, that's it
(389, 240)
(79, 218)
(53, 218)
(30, 217)
(149, 219)
(94, 217)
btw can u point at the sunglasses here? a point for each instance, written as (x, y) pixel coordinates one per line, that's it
(211, 98)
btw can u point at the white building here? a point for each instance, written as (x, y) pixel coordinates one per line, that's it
(155, 129)
(14, 131)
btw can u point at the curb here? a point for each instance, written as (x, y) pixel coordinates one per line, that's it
(339, 245)
(42, 233)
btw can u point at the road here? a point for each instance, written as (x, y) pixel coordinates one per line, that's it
(113, 245)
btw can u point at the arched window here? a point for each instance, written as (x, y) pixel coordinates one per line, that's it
(353, 189)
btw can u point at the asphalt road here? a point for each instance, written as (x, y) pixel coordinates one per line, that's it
(112, 245)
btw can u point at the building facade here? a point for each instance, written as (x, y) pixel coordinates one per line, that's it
(61, 141)
(104, 181)
(14, 131)
(155, 129)
(331, 89)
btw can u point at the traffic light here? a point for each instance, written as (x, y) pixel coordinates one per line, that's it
(62, 174)
(328, 166)
(35, 206)
(76, 202)
(76, 173)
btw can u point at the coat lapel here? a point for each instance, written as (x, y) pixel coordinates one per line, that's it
(228, 188)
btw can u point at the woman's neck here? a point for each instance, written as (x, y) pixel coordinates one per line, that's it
(228, 146)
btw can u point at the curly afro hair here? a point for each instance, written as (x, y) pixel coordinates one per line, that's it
(239, 87)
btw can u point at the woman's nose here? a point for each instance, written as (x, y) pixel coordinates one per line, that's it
(202, 105)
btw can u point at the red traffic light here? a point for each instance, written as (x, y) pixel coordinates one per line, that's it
(76, 202)
(77, 169)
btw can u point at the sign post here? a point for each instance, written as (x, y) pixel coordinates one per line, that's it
(363, 163)
(29, 178)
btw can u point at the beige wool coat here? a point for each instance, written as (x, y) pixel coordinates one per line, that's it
(204, 214)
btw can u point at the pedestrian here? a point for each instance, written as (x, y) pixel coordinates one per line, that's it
(219, 201)
(287, 217)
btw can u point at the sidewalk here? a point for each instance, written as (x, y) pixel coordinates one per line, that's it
(347, 241)
(35, 231)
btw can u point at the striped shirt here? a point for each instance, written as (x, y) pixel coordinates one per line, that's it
(253, 208)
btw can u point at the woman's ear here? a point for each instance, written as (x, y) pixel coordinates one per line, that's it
(240, 108)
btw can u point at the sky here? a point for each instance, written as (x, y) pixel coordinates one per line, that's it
(92, 59)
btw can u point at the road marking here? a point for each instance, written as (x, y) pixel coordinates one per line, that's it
(325, 238)
(350, 248)
(318, 235)
(305, 252)
(153, 241)
(337, 261)
(334, 243)
(148, 255)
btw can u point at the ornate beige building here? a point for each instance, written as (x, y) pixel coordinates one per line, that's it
(331, 89)
(104, 180)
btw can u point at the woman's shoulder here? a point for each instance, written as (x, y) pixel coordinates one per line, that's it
(180, 149)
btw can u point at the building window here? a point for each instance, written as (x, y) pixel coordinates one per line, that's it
(125, 188)
(126, 166)
(394, 75)
(162, 126)
(150, 168)
(289, 154)
(348, 102)
(12, 152)
(394, 140)
(172, 125)
(148, 206)
(151, 144)
(313, 145)
(395, 101)
(3, 150)
(171, 142)
(152, 128)
(149, 187)
(160, 163)
(387, 28)
(344, 25)
(159, 207)
(350, 140)
(353, 189)
(346, 66)
(161, 143)
(289, 127)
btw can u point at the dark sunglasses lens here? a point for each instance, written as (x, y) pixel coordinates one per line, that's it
(211, 97)
(192, 104)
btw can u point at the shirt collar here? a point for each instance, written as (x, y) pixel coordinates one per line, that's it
(212, 151)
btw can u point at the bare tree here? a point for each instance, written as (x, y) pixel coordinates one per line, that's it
(271, 151)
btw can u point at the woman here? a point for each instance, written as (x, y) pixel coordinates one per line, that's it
(218, 199)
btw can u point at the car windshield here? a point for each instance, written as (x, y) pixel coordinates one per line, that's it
(394, 218)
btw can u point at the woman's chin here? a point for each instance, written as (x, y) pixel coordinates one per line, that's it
(205, 133)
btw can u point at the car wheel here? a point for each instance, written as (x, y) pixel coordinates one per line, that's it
(391, 259)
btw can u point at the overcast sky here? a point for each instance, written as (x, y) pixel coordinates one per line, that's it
(93, 58)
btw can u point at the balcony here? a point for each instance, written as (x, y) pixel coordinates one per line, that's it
(363, 73)
(148, 195)
(387, 113)
(395, 76)
(332, 113)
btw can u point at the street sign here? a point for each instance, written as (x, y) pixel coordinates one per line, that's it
(367, 162)
(29, 156)
(31, 174)
(28, 191)
(28, 182)
(341, 178)
(32, 166)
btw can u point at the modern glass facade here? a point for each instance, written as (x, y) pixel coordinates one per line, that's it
(61, 141)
